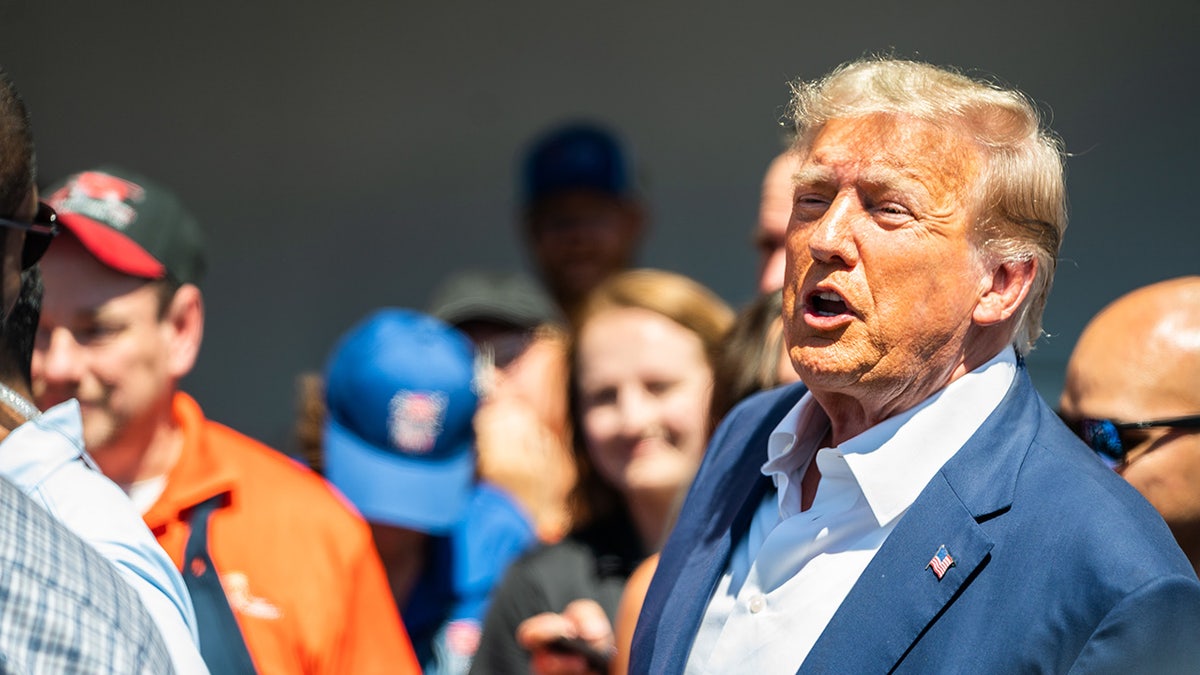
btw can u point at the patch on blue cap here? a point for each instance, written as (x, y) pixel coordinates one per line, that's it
(415, 419)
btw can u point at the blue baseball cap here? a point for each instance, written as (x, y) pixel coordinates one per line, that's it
(399, 440)
(579, 155)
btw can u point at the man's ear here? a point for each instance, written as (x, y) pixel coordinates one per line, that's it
(184, 323)
(1009, 285)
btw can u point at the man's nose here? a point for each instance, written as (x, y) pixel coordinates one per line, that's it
(56, 358)
(832, 238)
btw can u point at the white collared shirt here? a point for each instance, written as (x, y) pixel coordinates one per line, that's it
(788, 576)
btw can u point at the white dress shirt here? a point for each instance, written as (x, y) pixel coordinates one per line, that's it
(787, 577)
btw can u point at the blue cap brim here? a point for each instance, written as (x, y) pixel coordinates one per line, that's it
(387, 487)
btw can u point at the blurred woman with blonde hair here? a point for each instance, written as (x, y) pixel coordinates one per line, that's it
(643, 352)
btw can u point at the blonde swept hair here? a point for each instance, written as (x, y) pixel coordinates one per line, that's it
(1021, 197)
(673, 296)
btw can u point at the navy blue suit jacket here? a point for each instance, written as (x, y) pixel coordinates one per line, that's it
(1060, 565)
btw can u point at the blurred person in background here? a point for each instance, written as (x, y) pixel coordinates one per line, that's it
(1132, 393)
(399, 443)
(582, 219)
(642, 358)
(774, 213)
(521, 430)
(282, 574)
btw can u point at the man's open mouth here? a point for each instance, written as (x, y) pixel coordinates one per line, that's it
(827, 303)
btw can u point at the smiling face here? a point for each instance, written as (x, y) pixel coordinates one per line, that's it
(101, 341)
(882, 277)
(644, 388)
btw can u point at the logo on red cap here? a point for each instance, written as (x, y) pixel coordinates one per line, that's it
(101, 197)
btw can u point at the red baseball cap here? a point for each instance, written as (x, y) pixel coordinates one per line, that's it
(130, 224)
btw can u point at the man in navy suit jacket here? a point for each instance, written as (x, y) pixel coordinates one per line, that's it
(919, 508)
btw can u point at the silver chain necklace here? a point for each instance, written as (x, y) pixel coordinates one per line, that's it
(19, 403)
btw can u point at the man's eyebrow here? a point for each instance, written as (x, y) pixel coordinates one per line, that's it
(91, 313)
(887, 177)
(875, 177)
(812, 175)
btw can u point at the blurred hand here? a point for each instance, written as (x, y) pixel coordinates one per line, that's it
(582, 620)
(519, 454)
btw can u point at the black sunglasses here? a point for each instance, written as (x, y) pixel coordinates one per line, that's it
(38, 234)
(1104, 436)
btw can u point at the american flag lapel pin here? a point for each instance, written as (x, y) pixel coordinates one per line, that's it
(940, 562)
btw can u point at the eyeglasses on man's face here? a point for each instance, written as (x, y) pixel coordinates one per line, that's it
(38, 234)
(1110, 439)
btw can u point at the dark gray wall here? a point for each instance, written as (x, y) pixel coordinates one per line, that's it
(344, 156)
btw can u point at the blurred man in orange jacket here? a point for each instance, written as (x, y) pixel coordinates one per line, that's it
(283, 575)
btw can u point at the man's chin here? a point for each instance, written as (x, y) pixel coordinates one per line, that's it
(98, 433)
(826, 368)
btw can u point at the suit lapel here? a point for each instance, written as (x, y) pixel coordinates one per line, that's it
(897, 597)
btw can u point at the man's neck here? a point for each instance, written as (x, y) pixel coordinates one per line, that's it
(851, 413)
(9, 421)
(15, 407)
